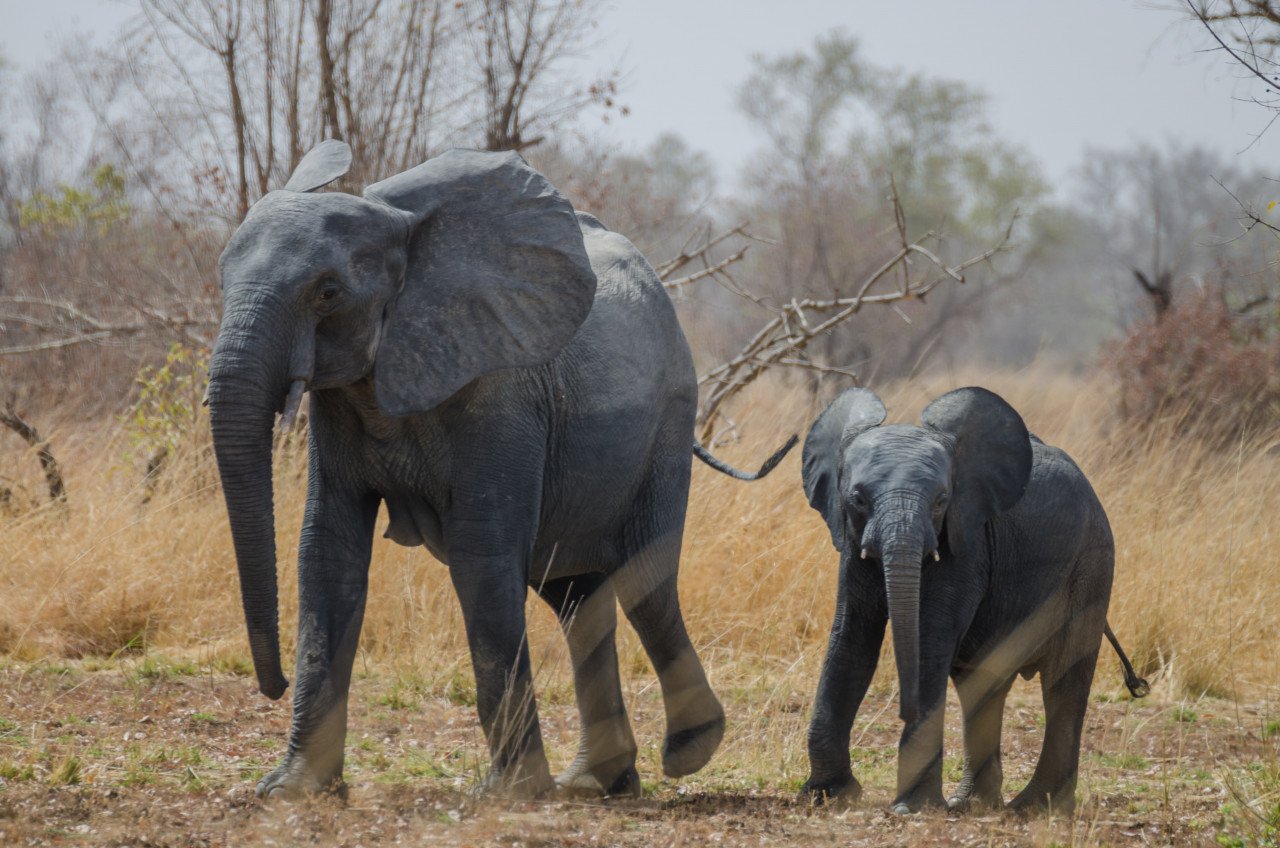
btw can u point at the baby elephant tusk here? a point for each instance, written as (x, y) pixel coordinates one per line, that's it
(937, 557)
(864, 553)
(291, 404)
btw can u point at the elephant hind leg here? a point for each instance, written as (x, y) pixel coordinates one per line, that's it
(982, 699)
(1065, 687)
(606, 762)
(695, 719)
(646, 587)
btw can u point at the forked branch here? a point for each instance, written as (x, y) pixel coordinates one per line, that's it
(783, 340)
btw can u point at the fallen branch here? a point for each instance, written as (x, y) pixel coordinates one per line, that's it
(72, 326)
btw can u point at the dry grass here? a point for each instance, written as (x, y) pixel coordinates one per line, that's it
(1197, 600)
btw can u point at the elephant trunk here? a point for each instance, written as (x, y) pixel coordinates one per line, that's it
(902, 584)
(245, 391)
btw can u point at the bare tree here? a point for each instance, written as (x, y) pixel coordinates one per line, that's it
(1248, 31)
(1164, 220)
(517, 47)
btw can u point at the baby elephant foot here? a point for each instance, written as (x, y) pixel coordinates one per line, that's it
(975, 795)
(846, 789)
(963, 803)
(292, 781)
(915, 802)
(1037, 803)
(616, 781)
(526, 780)
(687, 750)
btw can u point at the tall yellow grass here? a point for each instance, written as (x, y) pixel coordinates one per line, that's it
(1196, 600)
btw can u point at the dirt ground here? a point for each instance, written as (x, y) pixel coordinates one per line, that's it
(154, 755)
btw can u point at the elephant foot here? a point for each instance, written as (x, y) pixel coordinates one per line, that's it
(291, 781)
(685, 751)
(582, 781)
(916, 802)
(974, 794)
(525, 781)
(846, 789)
(964, 803)
(1032, 802)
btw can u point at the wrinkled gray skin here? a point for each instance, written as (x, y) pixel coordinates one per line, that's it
(511, 380)
(990, 556)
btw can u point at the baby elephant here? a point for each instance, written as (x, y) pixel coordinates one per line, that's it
(992, 557)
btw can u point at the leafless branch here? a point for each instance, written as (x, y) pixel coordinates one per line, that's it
(783, 339)
(70, 325)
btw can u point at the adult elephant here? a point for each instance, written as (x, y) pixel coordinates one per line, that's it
(511, 380)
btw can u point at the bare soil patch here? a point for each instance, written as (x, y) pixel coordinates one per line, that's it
(148, 754)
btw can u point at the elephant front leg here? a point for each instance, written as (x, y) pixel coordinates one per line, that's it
(492, 592)
(920, 747)
(333, 564)
(852, 654)
(982, 695)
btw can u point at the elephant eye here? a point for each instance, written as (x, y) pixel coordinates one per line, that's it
(858, 501)
(328, 292)
(941, 502)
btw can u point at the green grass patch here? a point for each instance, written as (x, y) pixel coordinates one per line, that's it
(153, 667)
(17, 772)
(67, 773)
(1126, 761)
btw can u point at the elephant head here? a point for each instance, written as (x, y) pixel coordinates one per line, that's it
(469, 263)
(895, 495)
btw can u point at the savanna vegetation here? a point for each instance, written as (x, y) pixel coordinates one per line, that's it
(887, 237)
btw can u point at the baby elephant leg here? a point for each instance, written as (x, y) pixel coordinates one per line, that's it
(1066, 699)
(982, 699)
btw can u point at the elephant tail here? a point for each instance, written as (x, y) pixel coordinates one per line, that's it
(1137, 687)
(725, 468)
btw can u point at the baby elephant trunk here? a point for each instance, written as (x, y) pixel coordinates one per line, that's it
(902, 537)
(902, 582)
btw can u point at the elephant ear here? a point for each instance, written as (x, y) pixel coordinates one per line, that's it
(853, 412)
(497, 276)
(323, 164)
(991, 458)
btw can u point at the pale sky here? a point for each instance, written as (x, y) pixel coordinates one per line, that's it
(1062, 75)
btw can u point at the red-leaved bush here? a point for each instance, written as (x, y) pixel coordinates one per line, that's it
(1211, 371)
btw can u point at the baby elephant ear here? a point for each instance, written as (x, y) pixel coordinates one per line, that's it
(325, 162)
(991, 458)
(850, 414)
(497, 276)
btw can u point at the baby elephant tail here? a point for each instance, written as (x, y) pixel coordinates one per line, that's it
(1137, 687)
(725, 468)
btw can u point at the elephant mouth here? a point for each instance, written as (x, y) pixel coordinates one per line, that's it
(292, 402)
(934, 555)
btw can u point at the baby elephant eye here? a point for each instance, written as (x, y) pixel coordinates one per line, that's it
(328, 293)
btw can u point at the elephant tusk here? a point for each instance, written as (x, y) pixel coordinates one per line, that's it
(864, 553)
(291, 404)
(205, 401)
(937, 557)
